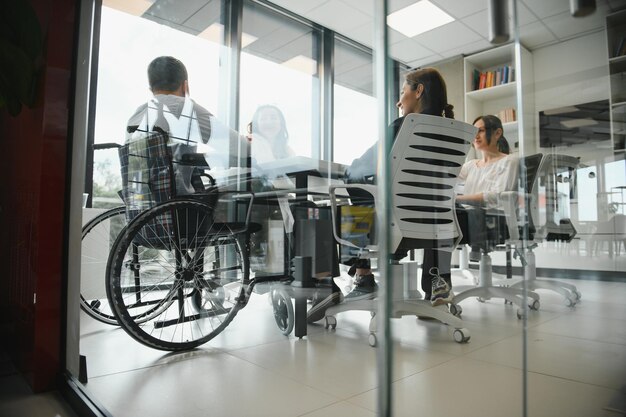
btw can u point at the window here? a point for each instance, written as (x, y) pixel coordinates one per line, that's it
(615, 174)
(128, 42)
(279, 67)
(587, 186)
(356, 116)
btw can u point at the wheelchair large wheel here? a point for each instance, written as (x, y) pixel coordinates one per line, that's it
(178, 289)
(99, 234)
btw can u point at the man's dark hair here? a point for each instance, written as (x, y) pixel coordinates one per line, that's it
(166, 73)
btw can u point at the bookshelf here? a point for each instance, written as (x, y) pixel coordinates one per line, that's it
(500, 98)
(616, 43)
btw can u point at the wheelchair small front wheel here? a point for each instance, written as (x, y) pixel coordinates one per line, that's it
(283, 311)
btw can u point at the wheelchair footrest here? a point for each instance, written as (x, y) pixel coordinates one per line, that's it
(165, 323)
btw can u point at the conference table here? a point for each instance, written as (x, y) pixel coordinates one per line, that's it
(299, 187)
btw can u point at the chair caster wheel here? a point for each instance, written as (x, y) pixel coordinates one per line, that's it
(373, 341)
(331, 322)
(461, 335)
(569, 302)
(534, 305)
(456, 310)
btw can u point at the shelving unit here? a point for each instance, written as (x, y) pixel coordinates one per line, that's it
(492, 100)
(616, 43)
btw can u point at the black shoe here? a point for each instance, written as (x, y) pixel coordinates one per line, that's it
(318, 311)
(365, 288)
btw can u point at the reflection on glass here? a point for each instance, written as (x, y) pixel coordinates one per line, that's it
(279, 68)
(571, 206)
(355, 111)
(278, 85)
(269, 136)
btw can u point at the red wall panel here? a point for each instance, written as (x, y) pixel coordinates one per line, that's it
(34, 146)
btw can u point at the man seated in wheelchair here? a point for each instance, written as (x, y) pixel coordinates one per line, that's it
(174, 147)
(171, 142)
(171, 111)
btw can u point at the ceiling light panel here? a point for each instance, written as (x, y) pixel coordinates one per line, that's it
(418, 18)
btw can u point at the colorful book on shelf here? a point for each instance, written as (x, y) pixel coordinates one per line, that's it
(507, 115)
(475, 79)
(498, 76)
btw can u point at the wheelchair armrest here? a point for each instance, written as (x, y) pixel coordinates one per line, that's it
(194, 159)
(372, 189)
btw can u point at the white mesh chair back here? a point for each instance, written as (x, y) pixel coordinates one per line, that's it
(426, 158)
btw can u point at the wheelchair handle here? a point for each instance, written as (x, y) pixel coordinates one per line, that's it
(110, 145)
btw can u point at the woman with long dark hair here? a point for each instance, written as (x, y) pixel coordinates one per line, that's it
(423, 91)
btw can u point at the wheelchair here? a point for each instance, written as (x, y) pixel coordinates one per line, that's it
(177, 272)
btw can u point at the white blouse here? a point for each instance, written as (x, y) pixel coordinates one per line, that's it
(490, 179)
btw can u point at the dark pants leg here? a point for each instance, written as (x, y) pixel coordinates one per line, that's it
(479, 231)
(442, 260)
(434, 258)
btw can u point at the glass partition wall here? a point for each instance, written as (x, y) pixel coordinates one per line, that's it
(533, 323)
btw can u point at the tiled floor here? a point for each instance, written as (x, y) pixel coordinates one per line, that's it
(576, 362)
(18, 400)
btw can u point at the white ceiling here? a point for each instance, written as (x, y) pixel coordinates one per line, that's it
(542, 22)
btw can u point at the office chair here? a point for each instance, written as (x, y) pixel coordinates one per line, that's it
(426, 158)
(486, 289)
(555, 227)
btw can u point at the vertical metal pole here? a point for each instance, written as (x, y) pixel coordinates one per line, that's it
(525, 231)
(382, 79)
(95, 8)
(81, 132)
(327, 79)
(232, 15)
(230, 69)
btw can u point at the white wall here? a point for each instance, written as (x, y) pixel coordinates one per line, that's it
(450, 70)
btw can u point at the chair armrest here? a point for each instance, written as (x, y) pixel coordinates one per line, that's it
(194, 159)
(508, 200)
(372, 189)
